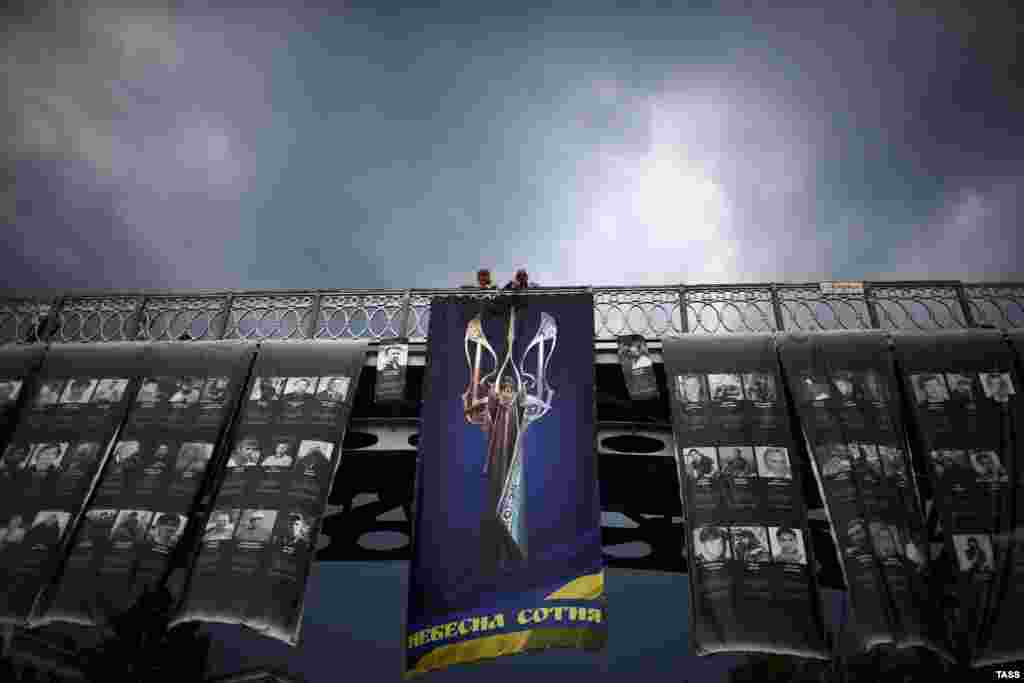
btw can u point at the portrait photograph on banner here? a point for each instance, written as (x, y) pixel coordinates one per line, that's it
(751, 579)
(847, 402)
(969, 418)
(512, 563)
(52, 460)
(637, 367)
(146, 493)
(392, 364)
(255, 549)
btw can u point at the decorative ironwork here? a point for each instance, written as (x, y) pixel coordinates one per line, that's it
(920, 306)
(369, 315)
(714, 310)
(652, 312)
(21, 320)
(269, 316)
(98, 319)
(182, 318)
(805, 308)
(996, 305)
(374, 314)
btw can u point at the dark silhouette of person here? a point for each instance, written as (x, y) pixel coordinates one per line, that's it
(520, 281)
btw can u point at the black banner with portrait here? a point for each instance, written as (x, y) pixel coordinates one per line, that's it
(637, 367)
(147, 491)
(752, 587)
(256, 548)
(964, 389)
(18, 364)
(51, 463)
(847, 399)
(392, 361)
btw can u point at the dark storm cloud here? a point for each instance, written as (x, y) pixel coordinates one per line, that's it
(222, 146)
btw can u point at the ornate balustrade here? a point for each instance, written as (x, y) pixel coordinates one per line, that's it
(373, 314)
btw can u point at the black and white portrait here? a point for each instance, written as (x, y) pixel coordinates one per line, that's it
(725, 387)
(294, 531)
(750, 544)
(893, 460)
(333, 388)
(833, 459)
(215, 390)
(78, 390)
(255, 526)
(737, 461)
(929, 388)
(193, 456)
(47, 457)
(110, 391)
(997, 386)
(282, 454)
(130, 526)
(299, 388)
(221, 525)
(125, 453)
(987, 466)
(847, 386)
(759, 387)
(9, 390)
(15, 457)
(47, 529)
(266, 389)
(248, 453)
(787, 545)
(151, 391)
(857, 540)
(885, 539)
(814, 388)
(700, 462)
(392, 357)
(97, 525)
(973, 552)
(691, 388)
(315, 457)
(188, 391)
(49, 392)
(866, 459)
(773, 462)
(711, 544)
(167, 529)
(961, 386)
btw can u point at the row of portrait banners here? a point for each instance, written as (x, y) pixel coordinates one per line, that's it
(205, 468)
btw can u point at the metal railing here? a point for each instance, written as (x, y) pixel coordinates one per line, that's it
(373, 314)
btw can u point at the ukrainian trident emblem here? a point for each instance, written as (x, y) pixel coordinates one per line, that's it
(504, 402)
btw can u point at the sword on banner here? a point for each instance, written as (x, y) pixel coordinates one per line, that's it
(534, 397)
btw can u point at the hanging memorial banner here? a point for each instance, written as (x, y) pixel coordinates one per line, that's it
(146, 493)
(392, 360)
(18, 365)
(637, 368)
(256, 549)
(752, 587)
(50, 465)
(507, 541)
(964, 389)
(847, 399)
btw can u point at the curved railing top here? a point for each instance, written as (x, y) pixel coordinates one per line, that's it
(654, 311)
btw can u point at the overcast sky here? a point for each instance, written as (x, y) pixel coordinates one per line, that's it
(193, 147)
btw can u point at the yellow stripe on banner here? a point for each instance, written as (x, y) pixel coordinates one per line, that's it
(589, 587)
(490, 647)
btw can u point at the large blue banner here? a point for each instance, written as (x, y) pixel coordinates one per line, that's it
(507, 542)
